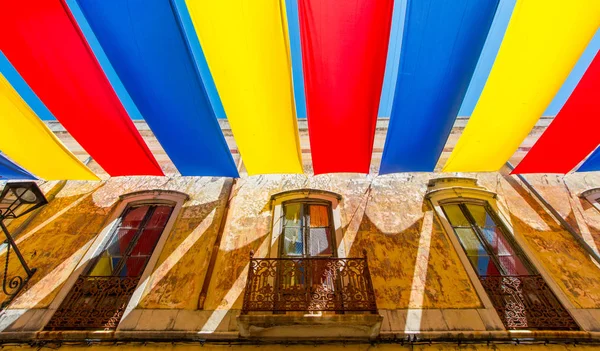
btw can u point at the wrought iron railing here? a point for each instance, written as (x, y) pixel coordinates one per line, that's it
(526, 302)
(309, 284)
(94, 303)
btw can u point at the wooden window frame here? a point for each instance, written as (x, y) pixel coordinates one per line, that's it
(305, 232)
(341, 244)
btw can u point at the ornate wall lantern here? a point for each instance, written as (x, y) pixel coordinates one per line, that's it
(16, 200)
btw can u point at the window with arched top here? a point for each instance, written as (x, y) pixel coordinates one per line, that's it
(508, 280)
(306, 268)
(124, 254)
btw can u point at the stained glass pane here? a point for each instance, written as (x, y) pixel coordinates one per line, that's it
(134, 217)
(500, 246)
(159, 218)
(120, 241)
(134, 266)
(480, 215)
(103, 267)
(456, 216)
(152, 231)
(129, 229)
(470, 242)
(497, 241)
(512, 265)
(484, 265)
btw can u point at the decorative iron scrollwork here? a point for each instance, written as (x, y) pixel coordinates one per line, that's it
(526, 302)
(13, 283)
(309, 284)
(94, 303)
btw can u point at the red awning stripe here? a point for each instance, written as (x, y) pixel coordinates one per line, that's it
(574, 132)
(344, 50)
(43, 42)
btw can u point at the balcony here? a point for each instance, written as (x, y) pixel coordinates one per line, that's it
(288, 297)
(94, 303)
(526, 302)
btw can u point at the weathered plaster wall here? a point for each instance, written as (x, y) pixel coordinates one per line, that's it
(382, 215)
(562, 256)
(55, 241)
(180, 271)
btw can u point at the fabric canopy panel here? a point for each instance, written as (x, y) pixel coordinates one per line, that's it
(245, 43)
(543, 41)
(574, 132)
(10, 170)
(43, 42)
(592, 163)
(296, 57)
(27, 141)
(442, 42)
(144, 43)
(344, 49)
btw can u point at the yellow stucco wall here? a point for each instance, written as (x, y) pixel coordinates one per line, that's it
(562, 256)
(384, 215)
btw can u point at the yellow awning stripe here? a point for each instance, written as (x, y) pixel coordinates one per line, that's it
(543, 41)
(27, 141)
(246, 46)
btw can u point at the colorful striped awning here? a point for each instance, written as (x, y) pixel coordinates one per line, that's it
(180, 65)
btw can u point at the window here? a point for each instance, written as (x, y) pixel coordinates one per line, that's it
(484, 241)
(306, 268)
(100, 296)
(132, 244)
(307, 230)
(593, 196)
(519, 294)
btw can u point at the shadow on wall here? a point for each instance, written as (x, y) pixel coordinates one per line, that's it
(396, 274)
(64, 226)
(562, 256)
(179, 274)
(231, 266)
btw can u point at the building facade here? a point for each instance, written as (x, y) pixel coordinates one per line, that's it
(429, 261)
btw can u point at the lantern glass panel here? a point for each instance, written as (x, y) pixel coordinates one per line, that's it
(20, 198)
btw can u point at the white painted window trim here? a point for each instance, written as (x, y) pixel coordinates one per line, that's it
(174, 198)
(441, 190)
(277, 201)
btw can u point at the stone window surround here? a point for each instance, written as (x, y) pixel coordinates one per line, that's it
(298, 326)
(175, 198)
(277, 201)
(448, 189)
(593, 196)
